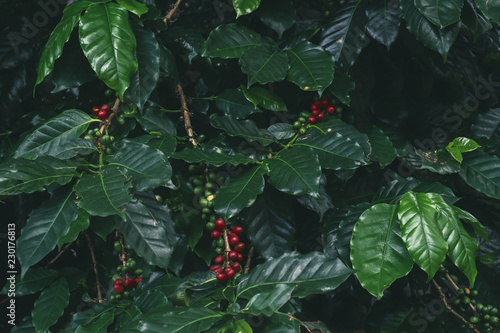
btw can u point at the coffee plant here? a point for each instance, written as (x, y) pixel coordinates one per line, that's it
(250, 166)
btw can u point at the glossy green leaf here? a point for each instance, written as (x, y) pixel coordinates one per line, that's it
(334, 148)
(282, 131)
(151, 300)
(264, 64)
(133, 6)
(231, 41)
(475, 20)
(233, 103)
(183, 320)
(104, 193)
(344, 35)
(383, 151)
(378, 254)
(75, 147)
(472, 220)
(461, 247)
(486, 123)
(384, 21)
(153, 121)
(420, 232)
(311, 273)
(109, 44)
(268, 302)
(244, 7)
(243, 128)
(490, 9)
(311, 68)
(148, 167)
(461, 145)
(341, 87)
(81, 223)
(55, 133)
(430, 35)
(50, 305)
(265, 98)
(97, 325)
(480, 171)
(146, 77)
(278, 15)
(240, 192)
(27, 176)
(269, 224)
(440, 13)
(44, 228)
(146, 234)
(295, 171)
(167, 63)
(33, 281)
(59, 36)
(196, 155)
(319, 204)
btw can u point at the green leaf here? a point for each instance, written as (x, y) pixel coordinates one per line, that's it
(244, 7)
(295, 171)
(145, 78)
(27, 176)
(474, 20)
(278, 15)
(196, 155)
(264, 64)
(167, 63)
(265, 98)
(146, 234)
(75, 147)
(472, 220)
(433, 37)
(97, 325)
(440, 13)
(343, 37)
(378, 254)
(104, 193)
(59, 36)
(81, 223)
(335, 148)
(153, 121)
(461, 247)
(267, 303)
(322, 274)
(50, 305)
(383, 151)
(461, 145)
(133, 6)
(148, 167)
(490, 9)
(421, 233)
(243, 128)
(151, 300)
(240, 192)
(231, 41)
(33, 281)
(109, 44)
(281, 131)
(269, 224)
(486, 124)
(384, 21)
(440, 161)
(55, 133)
(183, 320)
(341, 86)
(311, 68)
(480, 171)
(44, 228)
(233, 103)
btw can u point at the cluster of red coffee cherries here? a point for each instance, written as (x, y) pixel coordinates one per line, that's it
(227, 263)
(129, 283)
(101, 112)
(318, 110)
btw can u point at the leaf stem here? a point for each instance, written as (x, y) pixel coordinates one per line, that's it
(96, 272)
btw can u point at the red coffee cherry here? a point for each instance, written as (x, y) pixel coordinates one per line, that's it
(232, 255)
(312, 120)
(330, 109)
(129, 283)
(219, 260)
(236, 266)
(137, 280)
(233, 239)
(230, 273)
(325, 102)
(216, 269)
(105, 108)
(321, 116)
(95, 110)
(315, 112)
(220, 224)
(239, 247)
(118, 289)
(221, 277)
(119, 282)
(215, 234)
(239, 256)
(102, 114)
(237, 230)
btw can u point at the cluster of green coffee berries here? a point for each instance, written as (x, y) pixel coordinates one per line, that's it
(95, 134)
(205, 184)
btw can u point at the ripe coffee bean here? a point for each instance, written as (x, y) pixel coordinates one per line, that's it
(119, 282)
(215, 234)
(237, 230)
(317, 103)
(129, 283)
(236, 266)
(105, 108)
(313, 107)
(118, 289)
(239, 256)
(321, 116)
(137, 280)
(312, 120)
(221, 277)
(239, 247)
(230, 273)
(220, 224)
(216, 269)
(315, 112)
(219, 260)
(95, 110)
(331, 110)
(233, 239)
(102, 114)
(232, 255)
(325, 102)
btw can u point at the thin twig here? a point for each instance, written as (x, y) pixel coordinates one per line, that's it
(185, 115)
(66, 247)
(123, 254)
(172, 11)
(448, 277)
(94, 263)
(449, 308)
(249, 260)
